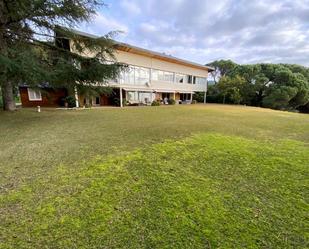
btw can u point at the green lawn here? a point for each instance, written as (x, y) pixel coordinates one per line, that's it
(156, 177)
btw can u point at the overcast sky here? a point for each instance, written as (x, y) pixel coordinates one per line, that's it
(245, 31)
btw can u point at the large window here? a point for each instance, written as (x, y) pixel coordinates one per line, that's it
(142, 75)
(185, 96)
(140, 97)
(201, 80)
(162, 75)
(180, 78)
(196, 80)
(132, 96)
(146, 97)
(135, 75)
(34, 94)
(157, 75)
(127, 76)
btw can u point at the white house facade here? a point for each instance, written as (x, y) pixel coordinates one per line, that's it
(154, 76)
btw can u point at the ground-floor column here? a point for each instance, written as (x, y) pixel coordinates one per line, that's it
(76, 97)
(191, 97)
(121, 104)
(205, 93)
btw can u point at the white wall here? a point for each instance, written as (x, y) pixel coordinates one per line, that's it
(144, 61)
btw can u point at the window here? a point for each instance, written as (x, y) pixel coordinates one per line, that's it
(157, 75)
(165, 95)
(145, 97)
(162, 75)
(189, 79)
(185, 96)
(141, 97)
(142, 75)
(127, 76)
(132, 96)
(201, 80)
(169, 76)
(135, 75)
(196, 80)
(180, 78)
(34, 94)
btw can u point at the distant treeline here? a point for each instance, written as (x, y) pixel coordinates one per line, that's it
(276, 86)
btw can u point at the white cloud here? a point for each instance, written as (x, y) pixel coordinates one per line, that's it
(130, 7)
(148, 28)
(102, 25)
(202, 31)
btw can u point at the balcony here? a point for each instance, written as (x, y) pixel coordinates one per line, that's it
(140, 78)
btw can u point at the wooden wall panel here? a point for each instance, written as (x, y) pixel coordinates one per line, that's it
(50, 97)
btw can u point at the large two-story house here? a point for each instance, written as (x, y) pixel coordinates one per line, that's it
(150, 76)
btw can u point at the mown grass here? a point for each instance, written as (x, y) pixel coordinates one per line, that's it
(102, 179)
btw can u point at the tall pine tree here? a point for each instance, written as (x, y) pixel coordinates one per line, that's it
(34, 49)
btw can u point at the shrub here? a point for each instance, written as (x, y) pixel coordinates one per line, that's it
(171, 101)
(155, 103)
(199, 97)
(116, 102)
(71, 101)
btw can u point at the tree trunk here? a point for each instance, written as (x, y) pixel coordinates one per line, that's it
(8, 96)
(6, 85)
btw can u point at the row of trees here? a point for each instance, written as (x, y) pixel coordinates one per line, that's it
(277, 86)
(34, 47)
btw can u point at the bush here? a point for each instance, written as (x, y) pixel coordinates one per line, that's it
(155, 103)
(71, 101)
(116, 102)
(171, 101)
(214, 98)
(199, 97)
